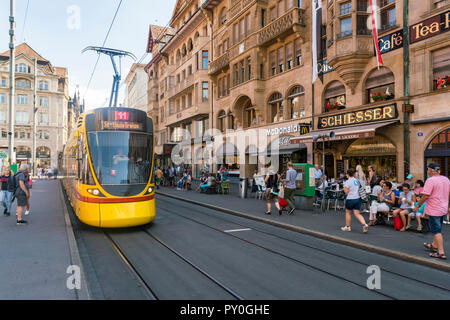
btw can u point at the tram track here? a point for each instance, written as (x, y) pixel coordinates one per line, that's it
(346, 258)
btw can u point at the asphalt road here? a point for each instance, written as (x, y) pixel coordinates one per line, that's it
(192, 252)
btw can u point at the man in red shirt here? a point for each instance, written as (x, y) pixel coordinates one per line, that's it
(436, 194)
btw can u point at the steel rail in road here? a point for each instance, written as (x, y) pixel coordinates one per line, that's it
(310, 247)
(212, 278)
(304, 245)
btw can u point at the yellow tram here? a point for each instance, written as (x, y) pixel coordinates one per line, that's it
(107, 167)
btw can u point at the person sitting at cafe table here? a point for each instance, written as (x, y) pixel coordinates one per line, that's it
(386, 199)
(418, 188)
(406, 205)
(323, 184)
(209, 183)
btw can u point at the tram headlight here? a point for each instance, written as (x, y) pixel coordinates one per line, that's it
(95, 192)
(150, 190)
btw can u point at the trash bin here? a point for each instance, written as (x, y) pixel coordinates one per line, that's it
(243, 184)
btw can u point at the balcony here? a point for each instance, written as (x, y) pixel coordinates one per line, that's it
(290, 22)
(219, 64)
(181, 86)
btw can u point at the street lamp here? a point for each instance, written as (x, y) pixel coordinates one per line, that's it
(316, 137)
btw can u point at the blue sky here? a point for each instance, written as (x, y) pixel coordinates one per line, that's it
(51, 28)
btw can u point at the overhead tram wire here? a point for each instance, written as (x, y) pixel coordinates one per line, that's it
(104, 42)
(25, 20)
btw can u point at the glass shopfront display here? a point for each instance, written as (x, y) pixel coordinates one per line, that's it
(375, 151)
(439, 151)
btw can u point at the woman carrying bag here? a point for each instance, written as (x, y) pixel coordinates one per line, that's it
(271, 181)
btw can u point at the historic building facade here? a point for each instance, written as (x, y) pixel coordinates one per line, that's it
(394, 116)
(137, 87)
(51, 103)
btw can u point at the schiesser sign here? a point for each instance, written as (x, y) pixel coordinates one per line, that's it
(376, 114)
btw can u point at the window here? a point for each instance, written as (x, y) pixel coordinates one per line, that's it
(178, 105)
(205, 60)
(298, 52)
(263, 18)
(387, 14)
(250, 115)
(346, 8)
(380, 85)
(43, 119)
(21, 117)
(189, 100)
(221, 121)
(4, 134)
(43, 85)
(23, 84)
(362, 5)
(334, 97)
(276, 107)
(205, 91)
(273, 13)
(248, 25)
(231, 122)
(272, 63)
(361, 25)
(2, 116)
(2, 98)
(236, 33)
(190, 70)
(43, 101)
(43, 135)
(280, 8)
(345, 27)
(280, 54)
(21, 68)
(440, 3)
(4, 83)
(22, 99)
(223, 16)
(249, 68)
(441, 68)
(296, 103)
(183, 102)
(241, 29)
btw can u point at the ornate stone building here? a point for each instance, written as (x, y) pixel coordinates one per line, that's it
(394, 116)
(51, 102)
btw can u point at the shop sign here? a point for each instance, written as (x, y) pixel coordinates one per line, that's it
(430, 27)
(420, 134)
(324, 67)
(388, 112)
(390, 42)
(301, 127)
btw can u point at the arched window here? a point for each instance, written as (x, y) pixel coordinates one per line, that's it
(379, 85)
(231, 121)
(276, 107)
(334, 97)
(439, 151)
(178, 55)
(223, 16)
(221, 120)
(250, 115)
(23, 152)
(190, 45)
(43, 152)
(296, 103)
(183, 50)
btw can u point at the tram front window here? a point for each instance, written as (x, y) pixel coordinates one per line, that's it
(121, 157)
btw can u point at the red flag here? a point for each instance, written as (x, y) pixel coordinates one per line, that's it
(375, 34)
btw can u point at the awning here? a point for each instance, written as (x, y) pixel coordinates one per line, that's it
(353, 132)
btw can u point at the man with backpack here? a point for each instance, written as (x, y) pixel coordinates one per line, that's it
(22, 192)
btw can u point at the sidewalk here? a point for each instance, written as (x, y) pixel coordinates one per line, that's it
(409, 242)
(34, 258)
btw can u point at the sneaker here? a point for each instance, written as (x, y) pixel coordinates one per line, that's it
(7, 214)
(27, 212)
(419, 228)
(291, 212)
(6, 210)
(365, 228)
(268, 213)
(407, 227)
(21, 222)
(347, 229)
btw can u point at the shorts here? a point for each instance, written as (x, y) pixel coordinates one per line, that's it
(435, 224)
(21, 200)
(270, 196)
(410, 210)
(158, 180)
(353, 204)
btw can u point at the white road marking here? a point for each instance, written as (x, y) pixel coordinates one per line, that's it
(237, 230)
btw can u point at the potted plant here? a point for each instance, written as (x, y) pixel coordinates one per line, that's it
(443, 82)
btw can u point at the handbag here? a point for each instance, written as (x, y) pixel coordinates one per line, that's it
(398, 224)
(282, 202)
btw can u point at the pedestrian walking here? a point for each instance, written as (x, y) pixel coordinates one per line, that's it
(372, 176)
(159, 175)
(271, 185)
(22, 192)
(55, 173)
(289, 187)
(436, 197)
(7, 179)
(353, 202)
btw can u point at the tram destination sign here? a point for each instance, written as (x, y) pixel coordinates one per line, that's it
(120, 125)
(369, 115)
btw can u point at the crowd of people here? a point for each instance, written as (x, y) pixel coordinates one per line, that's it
(47, 172)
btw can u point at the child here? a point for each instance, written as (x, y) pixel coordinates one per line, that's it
(419, 214)
(180, 184)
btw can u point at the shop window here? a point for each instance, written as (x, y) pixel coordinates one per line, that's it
(334, 97)
(441, 68)
(296, 103)
(380, 85)
(439, 151)
(276, 107)
(221, 121)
